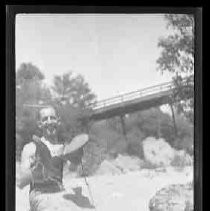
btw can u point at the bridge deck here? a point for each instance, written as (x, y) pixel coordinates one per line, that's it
(130, 106)
(133, 101)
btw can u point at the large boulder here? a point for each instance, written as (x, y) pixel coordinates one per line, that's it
(158, 152)
(127, 163)
(108, 168)
(177, 197)
(119, 165)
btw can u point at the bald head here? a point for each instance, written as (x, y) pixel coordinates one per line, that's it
(47, 111)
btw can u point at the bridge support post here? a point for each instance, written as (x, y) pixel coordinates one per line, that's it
(174, 121)
(159, 127)
(122, 119)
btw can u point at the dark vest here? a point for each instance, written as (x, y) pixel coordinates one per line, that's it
(47, 170)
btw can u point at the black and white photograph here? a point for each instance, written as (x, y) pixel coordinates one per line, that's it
(104, 111)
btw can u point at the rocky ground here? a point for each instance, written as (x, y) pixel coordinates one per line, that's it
(127, 183)
(176, 197)
(129, 191)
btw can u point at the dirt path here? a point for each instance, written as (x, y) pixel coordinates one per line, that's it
(131, 191)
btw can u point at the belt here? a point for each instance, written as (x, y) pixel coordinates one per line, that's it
(48, 186)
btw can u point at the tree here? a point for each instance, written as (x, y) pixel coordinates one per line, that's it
(26, 72)
(70, 124)
(29, 89)
(62, 85)
(177, 57)
(73, 90)
(72, 97)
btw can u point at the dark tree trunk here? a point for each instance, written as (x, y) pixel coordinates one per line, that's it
(122, 119)
(174, 121)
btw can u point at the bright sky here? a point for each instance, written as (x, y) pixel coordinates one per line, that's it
(116, 53)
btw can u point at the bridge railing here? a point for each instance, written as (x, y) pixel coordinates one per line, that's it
(132, 95)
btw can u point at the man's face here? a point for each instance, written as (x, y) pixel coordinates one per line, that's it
(49, 121)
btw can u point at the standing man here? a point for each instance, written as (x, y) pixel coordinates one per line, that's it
(42, 165)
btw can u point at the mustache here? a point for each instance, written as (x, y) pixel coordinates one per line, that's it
(53, 125)
(50, 126)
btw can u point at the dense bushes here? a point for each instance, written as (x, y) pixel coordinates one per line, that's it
(107, 139)
(134, 142)
(26, 126)
(185, 136)
(113, 141)
(186, 143)
(110, 141)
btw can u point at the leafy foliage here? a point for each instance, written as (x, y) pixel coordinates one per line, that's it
(177, 57)
(185, 136)
(183, 96)
(134, 146)
(28, 71)
(70, 121)
(73, 95)
(152, 122)
(94, 154)
(29, 90)
(178, 49)
(73, 90)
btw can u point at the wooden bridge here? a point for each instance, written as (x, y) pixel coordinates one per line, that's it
(133, 101)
